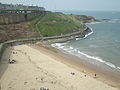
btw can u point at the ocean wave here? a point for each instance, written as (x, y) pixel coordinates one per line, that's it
(58, 44)
(118, 67)
(86, 34)
(94, 22)
(91, 57)
(98, 59)
(78, 53)
(110, 20)
(106, 20)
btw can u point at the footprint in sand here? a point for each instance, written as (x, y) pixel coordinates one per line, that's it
(25, 83)
(11, 88)
(40, 79)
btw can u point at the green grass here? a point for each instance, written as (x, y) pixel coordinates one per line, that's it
(53, 24)
(33, 22)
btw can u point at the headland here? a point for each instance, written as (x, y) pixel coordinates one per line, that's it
(35, 66)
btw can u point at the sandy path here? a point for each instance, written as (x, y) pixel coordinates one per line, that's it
(34, 70)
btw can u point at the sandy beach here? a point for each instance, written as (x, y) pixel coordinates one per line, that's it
(37, 69)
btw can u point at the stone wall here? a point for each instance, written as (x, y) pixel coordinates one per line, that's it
(45, 40)
(4, 45)
(11, 18)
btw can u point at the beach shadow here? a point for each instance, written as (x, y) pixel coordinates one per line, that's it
(4, 62)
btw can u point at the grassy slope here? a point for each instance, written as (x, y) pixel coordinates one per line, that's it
(53, 24)
(33, 22)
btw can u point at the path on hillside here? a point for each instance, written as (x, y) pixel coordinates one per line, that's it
(36, 26)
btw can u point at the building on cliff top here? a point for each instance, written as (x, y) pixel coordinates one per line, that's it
(19, 7)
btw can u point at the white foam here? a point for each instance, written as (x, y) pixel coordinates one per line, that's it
(111, 20)
(98, 59)
(73, 51)
(86, 34)
(77, 39)
(71, 48)
(91, 57)
(110, 64)
(118, 67)
(94, 23)
(90, 32)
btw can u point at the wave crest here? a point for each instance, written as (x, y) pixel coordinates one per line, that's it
(78, 53)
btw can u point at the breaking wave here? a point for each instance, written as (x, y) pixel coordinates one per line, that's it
(78, 53)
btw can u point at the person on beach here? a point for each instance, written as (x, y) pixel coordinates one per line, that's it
(95, 74)
(11, 62)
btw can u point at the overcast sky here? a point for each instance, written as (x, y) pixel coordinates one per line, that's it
(106, 5)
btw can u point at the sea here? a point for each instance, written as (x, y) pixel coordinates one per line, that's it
(101, 47)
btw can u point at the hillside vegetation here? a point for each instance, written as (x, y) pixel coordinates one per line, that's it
(53, 24)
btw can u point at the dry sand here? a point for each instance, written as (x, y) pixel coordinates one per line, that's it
(34, 69)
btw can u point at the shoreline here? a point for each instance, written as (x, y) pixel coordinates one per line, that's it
(73, 62)
(37, 61)
(110, 68)
(82, 66)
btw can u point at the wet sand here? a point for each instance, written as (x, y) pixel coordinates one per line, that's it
(36, 67)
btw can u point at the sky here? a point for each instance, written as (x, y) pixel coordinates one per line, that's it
(91, 5)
